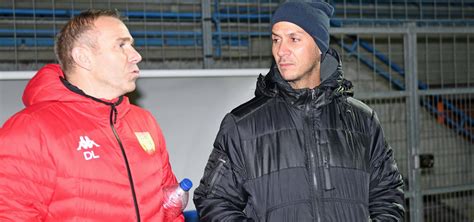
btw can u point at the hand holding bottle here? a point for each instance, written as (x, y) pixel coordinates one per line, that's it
(175, 198)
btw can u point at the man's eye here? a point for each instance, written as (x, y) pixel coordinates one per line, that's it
(275, 40)
(295, 39)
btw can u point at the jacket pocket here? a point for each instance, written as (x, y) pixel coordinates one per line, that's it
(216, 174)
(216, 164)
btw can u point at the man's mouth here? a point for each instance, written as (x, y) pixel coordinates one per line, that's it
(284, 65)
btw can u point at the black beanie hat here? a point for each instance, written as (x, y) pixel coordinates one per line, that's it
(312, 16)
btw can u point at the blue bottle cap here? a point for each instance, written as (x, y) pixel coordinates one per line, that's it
(186, 184)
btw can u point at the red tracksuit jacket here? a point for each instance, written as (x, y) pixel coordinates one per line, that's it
(61, 158)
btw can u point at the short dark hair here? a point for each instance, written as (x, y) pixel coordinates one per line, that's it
(74, 30)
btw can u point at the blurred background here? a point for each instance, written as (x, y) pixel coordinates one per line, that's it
(410, 60)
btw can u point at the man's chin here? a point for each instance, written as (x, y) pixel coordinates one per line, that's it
(287, 75)
(131, 88)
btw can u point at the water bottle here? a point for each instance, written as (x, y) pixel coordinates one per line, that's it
(175, 199)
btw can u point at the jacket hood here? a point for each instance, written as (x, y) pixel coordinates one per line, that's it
(45, 86)
(332, 84)
(49, 85)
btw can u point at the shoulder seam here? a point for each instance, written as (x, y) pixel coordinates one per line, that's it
(249, 107)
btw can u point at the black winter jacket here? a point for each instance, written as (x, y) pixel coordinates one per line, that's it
(301, 155)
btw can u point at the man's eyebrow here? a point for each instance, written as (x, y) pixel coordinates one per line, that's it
(125, 39)
(296, 33)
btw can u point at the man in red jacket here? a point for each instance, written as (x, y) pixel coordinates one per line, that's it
(80, 151)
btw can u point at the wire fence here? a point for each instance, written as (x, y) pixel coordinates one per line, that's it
(411, 60)
(201, 34)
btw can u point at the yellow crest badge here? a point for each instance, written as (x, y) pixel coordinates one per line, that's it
(146, 141)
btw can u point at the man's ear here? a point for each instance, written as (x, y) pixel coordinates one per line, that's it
(81, 56)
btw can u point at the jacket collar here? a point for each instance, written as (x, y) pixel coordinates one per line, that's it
(113, 104)
(76, 90)
(332, 85)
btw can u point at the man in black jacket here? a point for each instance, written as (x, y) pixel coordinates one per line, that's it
(303, 149)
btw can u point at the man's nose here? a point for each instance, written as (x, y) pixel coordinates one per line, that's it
(282, 49)
(134, 56)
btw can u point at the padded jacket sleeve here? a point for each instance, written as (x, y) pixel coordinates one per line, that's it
(386, 198)
(220, 195)
(27, 173)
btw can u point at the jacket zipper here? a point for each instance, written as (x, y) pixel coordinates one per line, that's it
(129, 172)
(312, 157)
(327, 177)
(216, 173)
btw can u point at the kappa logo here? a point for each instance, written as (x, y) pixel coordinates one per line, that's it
(86, 144)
